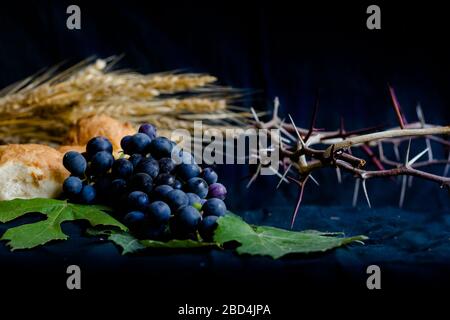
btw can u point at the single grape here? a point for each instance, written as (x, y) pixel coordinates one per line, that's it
(161, 147)
(135, 159)
(176, 199)
(72, 186)
(141, 182)
(158, 212)
(165, 178)
(217, 190)
(75, 163)
(187, 171)
(148, 129)
(138, 200)
(209, 175)
(122, 168)
(101, 163)
(139, 143)
(166, 165)
(177, 185)
(197, 186)
(117, 188)
(149, 166)
(134, 219)
(193, 198)
(207, 226)
(214, 207)
(160, 191)
(87, 194)
(188, 219)
(125, 142)
(98, 144)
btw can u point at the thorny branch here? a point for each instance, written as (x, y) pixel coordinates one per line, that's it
(307, 150)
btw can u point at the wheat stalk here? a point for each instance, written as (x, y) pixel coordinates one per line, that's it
(41, 108)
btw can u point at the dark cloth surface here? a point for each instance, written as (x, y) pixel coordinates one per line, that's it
(410, 247)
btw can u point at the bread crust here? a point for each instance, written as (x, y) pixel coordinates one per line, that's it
(30, 170)
(35, 170)
(39, 156)
(64, 149)
(99, 125)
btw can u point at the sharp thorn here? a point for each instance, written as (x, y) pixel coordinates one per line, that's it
(276, 105)
(254, 115)
(420, 116)
(365, 192)
(313, 119)
(314, 180)
(413, 160)
(299, 201)
(407, 152)
(396, 152)
(380, 150)
(278, 174)
(402, 192)
(341, 125)
(253, 178)
(296, 131)
(356, 192)
(447, 166)
(338, 175)
(397, 108)
(283, 130)
(284, 175)
(430, 150)
(285, 140)
(410, 181)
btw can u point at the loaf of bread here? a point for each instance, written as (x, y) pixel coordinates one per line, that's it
(30, 171)
(99, 125)
(36, 171)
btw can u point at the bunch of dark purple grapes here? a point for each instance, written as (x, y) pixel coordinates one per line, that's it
(155, 187)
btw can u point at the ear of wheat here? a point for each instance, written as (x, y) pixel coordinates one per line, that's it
(42, 108)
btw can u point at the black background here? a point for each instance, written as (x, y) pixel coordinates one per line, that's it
(275, 48)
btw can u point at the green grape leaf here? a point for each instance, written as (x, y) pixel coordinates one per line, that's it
(57, 211)
(130, 244)
(274, 242)
(177, 244)
(125, 240)
(253, 240)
